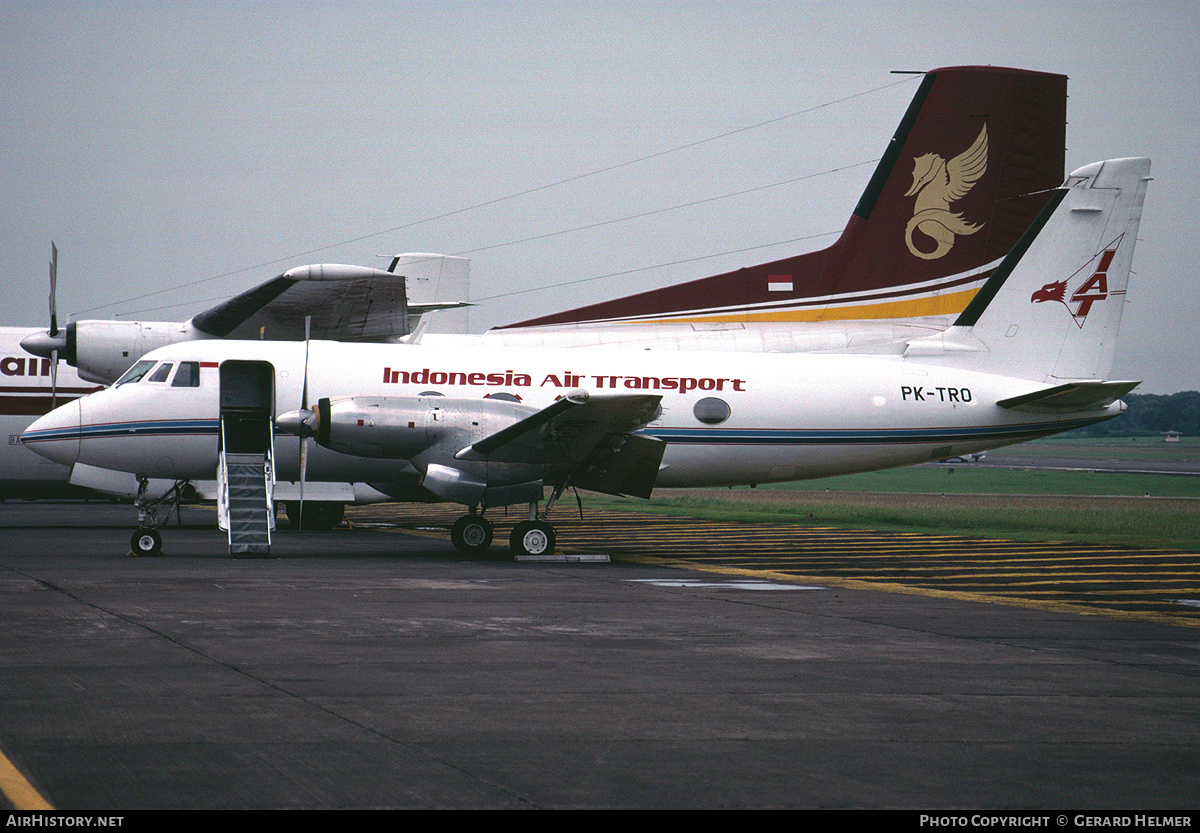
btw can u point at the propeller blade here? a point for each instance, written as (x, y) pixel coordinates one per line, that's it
(303, 473)
(53, 289)
(303, 410)
(53, 379)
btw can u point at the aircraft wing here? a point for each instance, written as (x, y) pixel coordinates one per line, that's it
(589, 437)
(346, 303)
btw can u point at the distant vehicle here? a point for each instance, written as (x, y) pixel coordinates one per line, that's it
(965, 458)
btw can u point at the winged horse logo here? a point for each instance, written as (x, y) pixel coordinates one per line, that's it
(938, 183)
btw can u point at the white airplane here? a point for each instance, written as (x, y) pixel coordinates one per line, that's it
(1028, 357)
(987, 139)
(973, 161)
(342, 302)
(350, 303)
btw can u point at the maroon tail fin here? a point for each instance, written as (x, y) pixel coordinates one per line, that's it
(975, 158)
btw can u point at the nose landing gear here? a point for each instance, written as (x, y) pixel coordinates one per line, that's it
(146, 539)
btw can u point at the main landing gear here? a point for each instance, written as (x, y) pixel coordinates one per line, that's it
(532, 538)
(472, 534)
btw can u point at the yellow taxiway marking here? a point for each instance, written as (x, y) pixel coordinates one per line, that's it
(892, 587)
(18, 790)
(1087, 579)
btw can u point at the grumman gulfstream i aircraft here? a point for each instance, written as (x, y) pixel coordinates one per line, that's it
(972, 163)
(1028, 357)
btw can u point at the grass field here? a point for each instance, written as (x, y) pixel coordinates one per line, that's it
(1148, 449)
(1129, 508)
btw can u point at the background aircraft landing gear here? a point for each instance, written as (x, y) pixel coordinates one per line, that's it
(471, 534)
(532, 538)
(146, 541)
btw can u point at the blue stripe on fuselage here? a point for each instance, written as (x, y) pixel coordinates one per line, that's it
(682, 436)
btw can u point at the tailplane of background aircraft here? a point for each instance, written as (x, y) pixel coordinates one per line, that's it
(973, 162)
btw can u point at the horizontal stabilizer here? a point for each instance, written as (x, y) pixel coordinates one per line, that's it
(1073, 396)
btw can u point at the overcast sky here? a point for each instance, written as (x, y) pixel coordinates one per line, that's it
(179, 153)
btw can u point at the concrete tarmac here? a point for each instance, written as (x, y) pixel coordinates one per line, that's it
(373, 668)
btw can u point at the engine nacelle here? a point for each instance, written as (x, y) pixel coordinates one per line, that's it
(402, 428)
(102, 350)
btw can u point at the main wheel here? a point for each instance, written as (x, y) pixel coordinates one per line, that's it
(146, 541)
(471, 534)
(532, 538)
(318, 514)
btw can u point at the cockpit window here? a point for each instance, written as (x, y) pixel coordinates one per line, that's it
(161, 374)
(135, 373)
(187, 376)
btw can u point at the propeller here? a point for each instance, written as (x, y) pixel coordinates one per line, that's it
(50, 343)
(303, 423)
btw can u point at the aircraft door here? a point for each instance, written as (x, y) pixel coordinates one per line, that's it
(245, 473)
(247, 406)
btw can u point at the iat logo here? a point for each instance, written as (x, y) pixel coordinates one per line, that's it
(1094, 289)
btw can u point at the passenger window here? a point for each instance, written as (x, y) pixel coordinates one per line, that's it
(135, 373)
(161, 374)
(711, 411)
(187, 376)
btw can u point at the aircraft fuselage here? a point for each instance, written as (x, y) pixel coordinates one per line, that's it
(727, 418)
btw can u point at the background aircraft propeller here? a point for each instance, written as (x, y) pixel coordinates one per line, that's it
(51, 343)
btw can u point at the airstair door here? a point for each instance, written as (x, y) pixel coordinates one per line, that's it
(245, 476)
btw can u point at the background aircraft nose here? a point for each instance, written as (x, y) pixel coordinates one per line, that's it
(56, 435)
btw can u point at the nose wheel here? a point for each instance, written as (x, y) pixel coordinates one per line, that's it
(146, 541)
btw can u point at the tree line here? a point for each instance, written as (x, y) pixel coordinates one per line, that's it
(1151, 414)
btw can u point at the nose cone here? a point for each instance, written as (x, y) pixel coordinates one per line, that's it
(56, 435)
(43, 344)
(302, 423)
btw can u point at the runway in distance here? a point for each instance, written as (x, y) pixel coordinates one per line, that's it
(1028, 357)
(974, 159)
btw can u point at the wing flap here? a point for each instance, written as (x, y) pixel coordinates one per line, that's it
(590, 439)
(630, 470)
